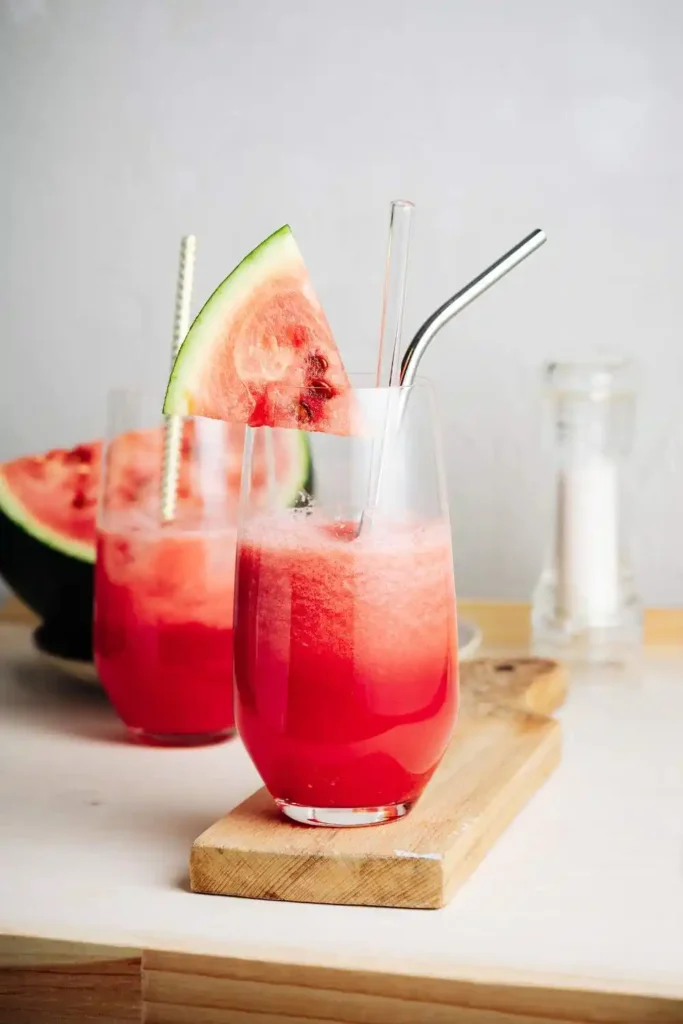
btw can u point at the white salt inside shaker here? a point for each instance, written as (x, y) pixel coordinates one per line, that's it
(585, 598)
(588, 540)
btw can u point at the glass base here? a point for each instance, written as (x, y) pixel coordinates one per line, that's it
(342, 817)
(612, 637)
(182, 739)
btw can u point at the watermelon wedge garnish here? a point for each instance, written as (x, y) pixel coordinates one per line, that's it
(261, 351)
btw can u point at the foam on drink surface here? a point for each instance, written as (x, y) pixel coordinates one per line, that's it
(388, 590)
(181, 571)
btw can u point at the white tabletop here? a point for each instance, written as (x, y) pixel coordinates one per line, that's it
(588, 880)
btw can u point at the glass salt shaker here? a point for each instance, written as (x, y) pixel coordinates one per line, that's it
(585, 606)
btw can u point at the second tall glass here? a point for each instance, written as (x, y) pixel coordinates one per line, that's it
(164, 590)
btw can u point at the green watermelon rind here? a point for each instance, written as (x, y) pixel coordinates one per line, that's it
(304, 478)
(21, 516)
(299, 487)
(278, 252)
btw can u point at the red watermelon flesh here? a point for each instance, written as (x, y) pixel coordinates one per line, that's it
(261, 351)
(56, 493)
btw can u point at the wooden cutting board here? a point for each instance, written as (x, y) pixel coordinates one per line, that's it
(504, 748)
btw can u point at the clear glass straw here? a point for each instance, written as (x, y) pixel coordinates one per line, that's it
(389, 359)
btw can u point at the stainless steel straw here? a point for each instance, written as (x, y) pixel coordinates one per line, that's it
(418, 346)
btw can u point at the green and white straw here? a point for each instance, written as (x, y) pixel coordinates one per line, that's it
(173, 430)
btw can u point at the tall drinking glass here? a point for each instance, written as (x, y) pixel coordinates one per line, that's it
(345, 621)
(164, 591)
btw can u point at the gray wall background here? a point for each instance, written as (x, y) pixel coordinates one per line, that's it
(125, 123)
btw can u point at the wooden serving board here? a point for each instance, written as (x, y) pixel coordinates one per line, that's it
(504, 747)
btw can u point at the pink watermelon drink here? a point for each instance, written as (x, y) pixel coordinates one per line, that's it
(345, 659)
(164, 591)
(163, 627)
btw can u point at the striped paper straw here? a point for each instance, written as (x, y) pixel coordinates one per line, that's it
(173, 430)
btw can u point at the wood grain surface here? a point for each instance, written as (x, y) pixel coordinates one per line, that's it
(44, 981)
(179, 989)
(505, 746)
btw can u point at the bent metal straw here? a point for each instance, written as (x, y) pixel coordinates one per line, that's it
(479, 284)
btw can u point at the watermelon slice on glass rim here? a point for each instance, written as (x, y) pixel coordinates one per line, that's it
(261, 351)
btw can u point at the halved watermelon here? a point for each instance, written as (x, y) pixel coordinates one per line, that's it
(261, 350)
(47, 539)
(48, 507)
(53, 496)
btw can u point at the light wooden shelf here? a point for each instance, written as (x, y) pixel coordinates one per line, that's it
(508, 623)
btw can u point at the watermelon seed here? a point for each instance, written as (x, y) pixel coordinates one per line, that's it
(317, 363)
(321, 386)
(305, 412)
